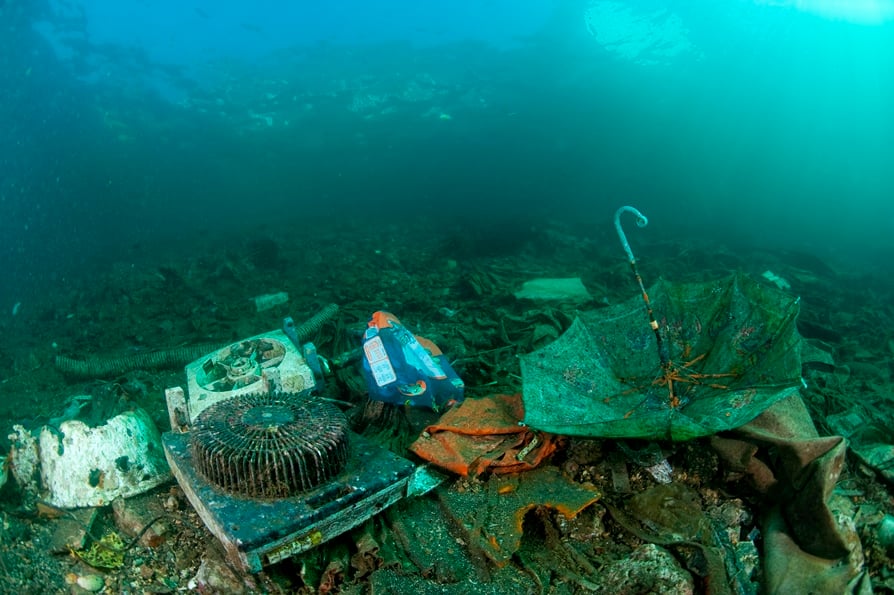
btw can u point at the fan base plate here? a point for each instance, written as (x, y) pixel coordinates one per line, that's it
(256, 533)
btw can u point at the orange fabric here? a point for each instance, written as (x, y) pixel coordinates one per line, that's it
(483, 434)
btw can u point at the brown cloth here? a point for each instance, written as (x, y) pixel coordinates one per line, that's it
(484, 434)
(807, 549)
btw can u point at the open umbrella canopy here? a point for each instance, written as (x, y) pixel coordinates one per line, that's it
(722, 353)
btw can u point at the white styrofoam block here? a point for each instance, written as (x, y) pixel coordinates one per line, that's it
(84, 466)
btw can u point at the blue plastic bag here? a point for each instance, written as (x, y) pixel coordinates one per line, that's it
(403, 369)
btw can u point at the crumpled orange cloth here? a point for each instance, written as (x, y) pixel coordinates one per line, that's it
(483, 434)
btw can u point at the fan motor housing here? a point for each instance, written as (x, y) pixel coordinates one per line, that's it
(260, 364)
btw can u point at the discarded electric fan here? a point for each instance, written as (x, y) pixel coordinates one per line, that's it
(269, 445)
(271, 468)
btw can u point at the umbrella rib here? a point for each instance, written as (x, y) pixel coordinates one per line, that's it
(682, 374)
(672, 376)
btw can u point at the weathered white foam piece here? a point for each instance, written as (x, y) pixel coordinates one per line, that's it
(84, 466)
(545, 289)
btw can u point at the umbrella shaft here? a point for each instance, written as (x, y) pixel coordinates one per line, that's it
(663, 354)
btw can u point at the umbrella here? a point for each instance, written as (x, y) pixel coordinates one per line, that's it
(700, 358)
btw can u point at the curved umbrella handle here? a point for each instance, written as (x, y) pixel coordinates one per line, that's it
(641, 221)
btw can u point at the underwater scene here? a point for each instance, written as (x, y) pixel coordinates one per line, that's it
(545, 296)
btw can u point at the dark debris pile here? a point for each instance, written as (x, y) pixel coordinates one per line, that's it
(458, 291)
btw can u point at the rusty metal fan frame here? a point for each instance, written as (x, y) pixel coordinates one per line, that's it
(272, 445)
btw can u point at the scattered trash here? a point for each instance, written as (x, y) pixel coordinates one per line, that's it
(257, 531)
(141, 519)
(72, 530)
(674, 517)
(270, 300)
(84, 466)
(103, 367)
(871, 443)
(90, 582)
(885, 534)
(777, 280)
(568, 289)
(662, 472)
(516, 524)
(806, 542)
(215, 576)
(425, 479)
(817, 356)
(447, 312)
(24, 461)
(484, 434)
(271, 467)
(418, 527)
(404, 369)
(723, 352)
(260, 364)
(491, 519)
(716, 356)
(672, 511)
(789, 568)
(648, 569)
